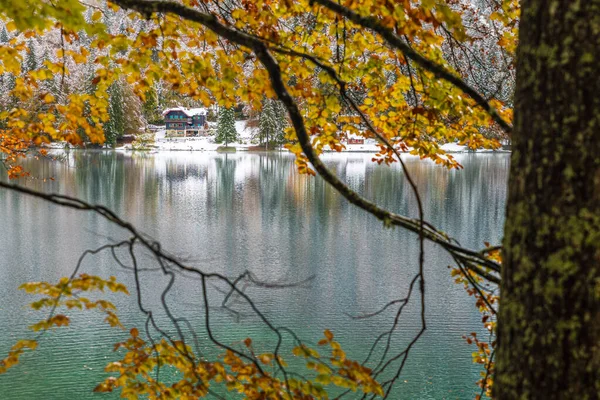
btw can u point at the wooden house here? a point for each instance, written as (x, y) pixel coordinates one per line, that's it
(185, 122)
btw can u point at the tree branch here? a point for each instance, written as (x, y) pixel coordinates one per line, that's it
(438, 70)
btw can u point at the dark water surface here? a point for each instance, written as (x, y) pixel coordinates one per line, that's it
(237, 212)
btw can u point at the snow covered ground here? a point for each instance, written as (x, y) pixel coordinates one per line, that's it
(207, 143)
(195, 144)
(203, 143)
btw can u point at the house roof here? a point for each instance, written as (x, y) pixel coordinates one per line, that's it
(353, 136)
(190, 112)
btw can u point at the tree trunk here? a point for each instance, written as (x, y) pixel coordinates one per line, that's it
(549, 323)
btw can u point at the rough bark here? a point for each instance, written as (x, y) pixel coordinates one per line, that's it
(549, 323)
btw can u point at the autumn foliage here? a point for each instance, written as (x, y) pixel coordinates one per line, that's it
(334, 67)
(345, 77)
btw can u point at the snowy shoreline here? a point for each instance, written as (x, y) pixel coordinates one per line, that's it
(246, 134)
(206, 143)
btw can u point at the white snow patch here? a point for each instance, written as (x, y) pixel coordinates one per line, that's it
(160, 134)
(454, 148)
(245, 132)
(190, 112)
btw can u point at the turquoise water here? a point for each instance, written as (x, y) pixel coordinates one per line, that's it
(236, 212)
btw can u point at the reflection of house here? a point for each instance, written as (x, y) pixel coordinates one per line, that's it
(185, 122)
(356, 140)
(354, 135)
(352, 138)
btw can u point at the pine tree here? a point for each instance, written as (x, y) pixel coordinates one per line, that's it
(272, 122)
(3, 39)
(89, 73)
(150, 108)
(8, 84)
(133, 115)
(51, 86)
(280, 120)
(155, 56)
(30, 62)
(115, 125)
(211, 116)
(4, 35)
(226, 131)
(266, 122)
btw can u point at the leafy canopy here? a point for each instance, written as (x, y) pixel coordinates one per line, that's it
(334, 67)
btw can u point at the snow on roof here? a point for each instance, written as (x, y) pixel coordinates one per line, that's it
(196, 111)
(350, 135)
(190, 112)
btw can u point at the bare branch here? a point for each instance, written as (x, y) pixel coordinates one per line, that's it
(438, 70)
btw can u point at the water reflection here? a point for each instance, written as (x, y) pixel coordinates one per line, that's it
(236, 212)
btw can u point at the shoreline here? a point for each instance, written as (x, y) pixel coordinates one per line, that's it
(245, 149)
(162, 143)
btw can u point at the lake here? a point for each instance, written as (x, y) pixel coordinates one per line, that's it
(229, 213)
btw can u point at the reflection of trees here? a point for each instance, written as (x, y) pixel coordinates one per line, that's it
(247, 209)
(223, 196)
(259, 186)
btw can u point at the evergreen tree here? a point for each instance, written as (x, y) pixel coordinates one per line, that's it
(115, 125)
(3, 39)
(155, 56)
(151, 109)
(226, 131)
(8, 84)
(90, 73)
(272, 122)
(281, 121)
(266, 122)
(211, 116)
(51, 86)
(30, 62)
(4, 35)
(133, 114)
